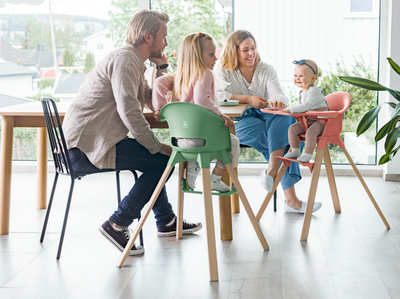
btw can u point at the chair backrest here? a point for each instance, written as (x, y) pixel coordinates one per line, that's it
(337, 101)
(58, 145)
(187, 120)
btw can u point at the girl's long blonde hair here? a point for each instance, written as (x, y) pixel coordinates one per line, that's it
(191, 65)
(229, 58)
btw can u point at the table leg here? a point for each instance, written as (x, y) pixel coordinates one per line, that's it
(225, 213)
(234, 197)
(7, 129)
(41, 195)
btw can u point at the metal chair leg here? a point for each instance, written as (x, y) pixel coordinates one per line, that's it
(275, 201)
(46, 219)
(71, 189)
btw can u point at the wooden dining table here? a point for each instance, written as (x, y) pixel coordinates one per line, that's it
(31, 115)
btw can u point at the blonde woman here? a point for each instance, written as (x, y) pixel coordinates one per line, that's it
(194, 83)
(256, 83)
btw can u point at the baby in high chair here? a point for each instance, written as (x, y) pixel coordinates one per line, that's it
(310, 98)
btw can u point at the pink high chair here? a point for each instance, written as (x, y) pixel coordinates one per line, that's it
(338, 104)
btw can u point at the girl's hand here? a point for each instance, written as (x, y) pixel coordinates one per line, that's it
(165, 149)
(276, 105)
(257, 102)
(228, 121)
(157, 117)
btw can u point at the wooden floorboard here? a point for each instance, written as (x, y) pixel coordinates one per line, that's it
(347, 255)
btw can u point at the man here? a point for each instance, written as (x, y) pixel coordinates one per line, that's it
(109, 104)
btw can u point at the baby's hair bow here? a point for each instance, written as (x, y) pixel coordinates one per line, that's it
(303, 61)
(200, 33)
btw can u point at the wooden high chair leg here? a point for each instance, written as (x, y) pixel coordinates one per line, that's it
(145, 214)
(366, 188)
(235, 207)
(246, 206)
(331, 180)
(208, 208)
(311, 194)
(179, 216)
(265, 202)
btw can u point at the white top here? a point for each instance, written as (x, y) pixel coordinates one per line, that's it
(310, 99)
(265, 83)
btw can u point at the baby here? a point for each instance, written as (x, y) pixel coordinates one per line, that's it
(310, 98)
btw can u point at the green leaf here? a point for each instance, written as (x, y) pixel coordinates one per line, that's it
(391, 104)
(368, 119)
(388, 156)
(394, 65)
(364, 83)
(394, 93)
(387, 128)
(391, 139)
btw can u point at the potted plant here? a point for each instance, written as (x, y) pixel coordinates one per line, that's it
(389, 130)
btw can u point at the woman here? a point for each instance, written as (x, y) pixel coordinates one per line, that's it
(256, 83)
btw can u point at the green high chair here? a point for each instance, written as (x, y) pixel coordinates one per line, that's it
(187, 120)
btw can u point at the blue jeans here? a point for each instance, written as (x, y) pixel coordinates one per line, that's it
(268, 133)
(131, 155)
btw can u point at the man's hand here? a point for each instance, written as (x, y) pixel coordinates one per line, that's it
(159, 60)
(257, 102)
(165, 150)
(228, 121)
(157, 117)
(276, 105)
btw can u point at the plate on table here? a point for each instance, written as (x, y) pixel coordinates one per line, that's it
(228, 103)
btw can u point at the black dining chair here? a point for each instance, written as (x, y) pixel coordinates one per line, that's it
(275, 194)
(63, 166)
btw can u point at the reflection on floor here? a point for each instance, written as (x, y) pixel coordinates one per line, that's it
(347, 255)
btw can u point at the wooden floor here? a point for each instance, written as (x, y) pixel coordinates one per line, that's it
(347, 255)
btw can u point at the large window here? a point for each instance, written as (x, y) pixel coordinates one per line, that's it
(341, 36)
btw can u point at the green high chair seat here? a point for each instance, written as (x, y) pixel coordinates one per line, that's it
(187, 120)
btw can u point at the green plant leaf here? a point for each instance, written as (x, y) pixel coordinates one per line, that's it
(368, 119)
(364, 83)
(388, 156)
(394, 65)
(394, 93)
(391, 104)
(387, 128)
(391, 139)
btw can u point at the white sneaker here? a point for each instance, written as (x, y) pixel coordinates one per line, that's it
(193, 172)
(267, 181)
(220, 186)
(302, 210)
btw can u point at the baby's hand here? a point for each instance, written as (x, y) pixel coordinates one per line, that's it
(286, 110)
(157, 117)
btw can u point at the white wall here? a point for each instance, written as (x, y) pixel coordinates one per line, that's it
(319, 30)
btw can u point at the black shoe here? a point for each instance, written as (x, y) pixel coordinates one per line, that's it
(170, 230)
(119, 237)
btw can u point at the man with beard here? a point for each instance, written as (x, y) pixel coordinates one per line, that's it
(109, 104)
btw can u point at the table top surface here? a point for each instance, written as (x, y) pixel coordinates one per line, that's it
(35, 109)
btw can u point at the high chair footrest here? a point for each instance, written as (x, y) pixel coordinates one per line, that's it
(287, 161)
(186, 189)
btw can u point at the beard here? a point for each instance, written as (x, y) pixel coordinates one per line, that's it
(157, 53)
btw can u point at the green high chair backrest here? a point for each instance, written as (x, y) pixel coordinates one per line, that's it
(187, 120)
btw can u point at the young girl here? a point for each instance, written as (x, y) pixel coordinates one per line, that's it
(194, 83)
(310, 98)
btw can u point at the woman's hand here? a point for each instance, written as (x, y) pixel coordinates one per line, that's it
(165, 150)
(157, 117)
(228, 121)
(286, 110)
(257, 102)
(276, 105)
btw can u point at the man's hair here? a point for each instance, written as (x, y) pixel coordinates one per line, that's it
(191, 64)
(229, 58)
(142, 22)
